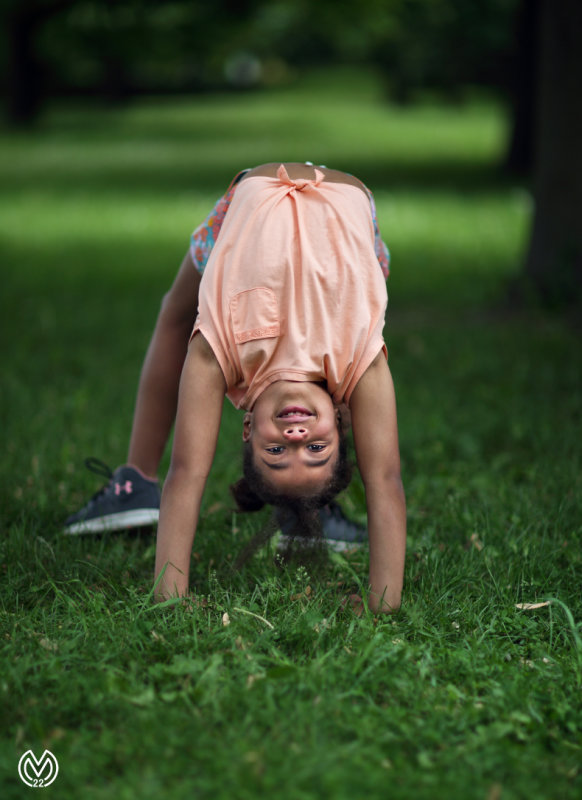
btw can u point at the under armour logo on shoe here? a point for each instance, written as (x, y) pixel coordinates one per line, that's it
(126, 487)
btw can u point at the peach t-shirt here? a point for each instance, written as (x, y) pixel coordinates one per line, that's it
(292, 289)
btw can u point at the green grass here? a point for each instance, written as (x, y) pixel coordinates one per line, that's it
(461, 694)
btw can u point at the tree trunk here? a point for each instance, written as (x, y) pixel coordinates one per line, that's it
(554, 261)
(24, 79)
(519, 158)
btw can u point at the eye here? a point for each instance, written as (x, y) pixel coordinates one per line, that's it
(275, 450)
(316, 448)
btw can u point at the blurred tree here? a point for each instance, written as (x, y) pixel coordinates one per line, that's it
(114, 48)
(554, 261)
(446, 45)
(522, 89)
(24, 74)
(118, 47)
(442, 45)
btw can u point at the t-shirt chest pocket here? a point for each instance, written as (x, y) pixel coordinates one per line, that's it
(255, 315)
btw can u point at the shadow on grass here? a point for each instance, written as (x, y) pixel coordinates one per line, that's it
(170, 145)
(163, 172)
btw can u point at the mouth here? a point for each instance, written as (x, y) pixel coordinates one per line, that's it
(295, 414)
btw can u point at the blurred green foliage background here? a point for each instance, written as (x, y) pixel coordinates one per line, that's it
(116, 49)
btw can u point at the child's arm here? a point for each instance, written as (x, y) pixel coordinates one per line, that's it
(200, 402)
(373, 409)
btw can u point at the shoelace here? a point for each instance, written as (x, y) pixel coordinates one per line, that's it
(99, 468)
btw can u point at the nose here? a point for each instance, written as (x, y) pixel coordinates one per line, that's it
(295, 433)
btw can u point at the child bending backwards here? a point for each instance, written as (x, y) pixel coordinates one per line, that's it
(291, 309)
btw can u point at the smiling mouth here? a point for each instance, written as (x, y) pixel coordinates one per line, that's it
(294, 414)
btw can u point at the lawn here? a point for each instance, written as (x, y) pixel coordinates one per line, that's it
(463, 693)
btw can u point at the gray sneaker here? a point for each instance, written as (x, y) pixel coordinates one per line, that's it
(128, 500)
(339, 532)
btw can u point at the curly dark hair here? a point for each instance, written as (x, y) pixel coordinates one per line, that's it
(253, 491)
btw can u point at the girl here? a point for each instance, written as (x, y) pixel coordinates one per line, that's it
(290, 316)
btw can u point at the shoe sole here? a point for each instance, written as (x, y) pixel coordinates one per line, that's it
(337, 545)
(115, 522)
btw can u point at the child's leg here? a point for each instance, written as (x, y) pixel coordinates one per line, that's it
(157, 394)
(130, 499)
